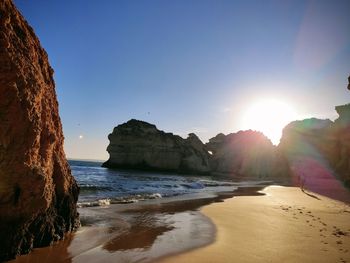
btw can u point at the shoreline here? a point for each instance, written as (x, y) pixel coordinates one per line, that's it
(207, 228)
(136, 232)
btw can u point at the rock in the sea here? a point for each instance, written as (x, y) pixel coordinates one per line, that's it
(247, 154)
(140, 145)
(38, 194)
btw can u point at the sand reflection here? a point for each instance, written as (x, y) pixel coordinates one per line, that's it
(140, 232)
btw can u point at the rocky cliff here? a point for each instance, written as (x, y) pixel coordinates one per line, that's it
(318, 152)
(37, 191)
(299, 136)
(247, 154)
(341, 132)
(140, 145)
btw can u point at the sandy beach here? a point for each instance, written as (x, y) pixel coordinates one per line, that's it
(285, 225)
(135, 232)
(276, 224)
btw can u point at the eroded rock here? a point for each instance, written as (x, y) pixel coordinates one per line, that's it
(318, 152)
(140, 145)
(37, 191)
(247, 154)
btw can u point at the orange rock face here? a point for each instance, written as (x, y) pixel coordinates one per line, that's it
(38, 194)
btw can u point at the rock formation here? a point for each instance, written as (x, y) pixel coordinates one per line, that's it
(140, 145)
(247, 154)
(298, 134)
(340, 158)
(318, 152)
(37, 191)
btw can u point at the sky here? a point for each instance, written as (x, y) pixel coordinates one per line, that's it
(191, 66)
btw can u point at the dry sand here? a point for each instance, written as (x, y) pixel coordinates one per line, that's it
(285, 225)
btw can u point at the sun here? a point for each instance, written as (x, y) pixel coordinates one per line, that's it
(269, 116)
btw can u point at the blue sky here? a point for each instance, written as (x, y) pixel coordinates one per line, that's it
(189, 66)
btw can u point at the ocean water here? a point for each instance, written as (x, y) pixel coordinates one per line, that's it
(158, 216)
(102, 186)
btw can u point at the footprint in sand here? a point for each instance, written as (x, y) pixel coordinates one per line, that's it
(338, 233)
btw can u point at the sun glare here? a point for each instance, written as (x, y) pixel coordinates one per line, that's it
(269, 116)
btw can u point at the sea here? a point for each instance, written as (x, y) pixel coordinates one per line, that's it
(101, 186)
(135, 216)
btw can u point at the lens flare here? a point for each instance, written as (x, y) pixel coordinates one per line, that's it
(269, 116)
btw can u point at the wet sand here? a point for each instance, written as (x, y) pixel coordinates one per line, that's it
(277, 224)
(285, 225)
(140, 232)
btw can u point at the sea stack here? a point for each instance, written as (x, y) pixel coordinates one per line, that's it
(140, 145)
(38, 194)
(247, 154)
